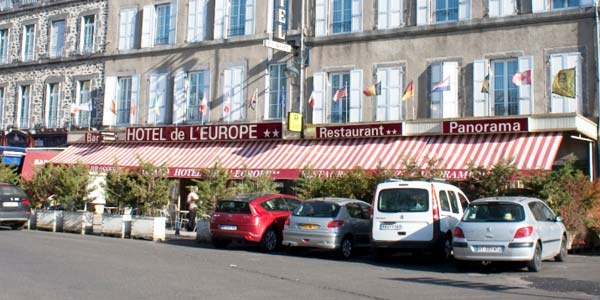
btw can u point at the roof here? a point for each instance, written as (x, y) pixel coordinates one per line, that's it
(519, 199)
(337, 200)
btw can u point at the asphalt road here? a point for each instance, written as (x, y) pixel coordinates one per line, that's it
(45, 265)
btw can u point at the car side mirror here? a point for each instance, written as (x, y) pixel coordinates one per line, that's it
(558, 219)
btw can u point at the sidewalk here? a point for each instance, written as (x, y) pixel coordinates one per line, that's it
(183, 234)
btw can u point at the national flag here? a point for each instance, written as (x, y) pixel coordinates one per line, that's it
(74, 108)
(254, 99)
(409, 91)
(203, 105)
(339, 94)
(441, 86)
(522, 78)
(132, 110)
(113, 107)
(155, 106)
(373, 90)
(311, 99)
(227, 105)
(282, 98)
(485, 86)
(563, 83)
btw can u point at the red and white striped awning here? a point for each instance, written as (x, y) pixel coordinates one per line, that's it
(286, 159)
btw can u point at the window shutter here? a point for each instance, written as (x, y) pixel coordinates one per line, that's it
(538, 6)
(395, 94)
(179, 105)
(464, 9)
(162, 91)
(135, 99)
(480, 100)
(450, 98)
(382, 14)
(110, 93)
(321, 18)
(147, 26)
(152, 100)
(356, 84)
(319, 91)
(556, 101)
(422, 12)
(173, 23)
(270, 15)
(585, 3)
(395, 11)
(126, 28)
(237, 99)
(220, 6)
(95, 32)
(509, 8)
(381, 114)
(7, 52)
(435, 76)
(249, 26)
(494, 8)
(357, 15)
(227, 91)
(526, 91)
(573, 61)
(79, 32)
(207, 94)
(192, 20)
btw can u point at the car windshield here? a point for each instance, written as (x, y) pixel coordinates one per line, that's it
(230, 206)
(494, 212)
(403, 200)
(9, 190)
(317, 209)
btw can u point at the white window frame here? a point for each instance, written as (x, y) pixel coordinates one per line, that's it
(28, 42)
(57, 39)
(447, 104)
(85, 49)
(5, 46)
(84, 117)
(158, 90)
(390, 14)
(23, 113)
(193, 110)
(149, 24)
(2, 107)
(49, 108)
(389, 103)
(426, 12)
(233, 84)
(269, 93)
(324, 17)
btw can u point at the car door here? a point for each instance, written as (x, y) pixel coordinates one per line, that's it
(360, 225)
(554, 230)
(541, 226)
(446, 216)
(278, 211)
(455, 208)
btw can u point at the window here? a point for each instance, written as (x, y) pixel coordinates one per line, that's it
(559, 4)
(565, 70)
(157, 112)
(233, 19)
(127, 28)
(292, 203)
(276, 204)
(444, 204)
(442, 11)
(237, 21)
(501, 8)
(337, 16)
(52, 105)
(196, 20)
(453, 202)
(88, 25)
(4, 46)
(403, 200)
(124, 100)
(159, 24)
(24, 106)
(337, 96)
(277, 92)
(340, 83)
(198, 110)
(2, 103)
(389, 14)
(28, 42)
(233, 94)
(84, 103)
(57, 42)
(543, 5)
(444, 90)
(354, 211)
(389, 103)
(506, 92)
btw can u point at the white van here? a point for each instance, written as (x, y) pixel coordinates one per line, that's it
(413, 216)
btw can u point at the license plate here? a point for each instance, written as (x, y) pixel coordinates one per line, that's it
(228, 227)
(309, 226)
(488, 249)
(10, 204)
(393, 226)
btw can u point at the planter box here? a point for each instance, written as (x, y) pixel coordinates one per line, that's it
(116, 225)
(149, 228)
(203, 231)
(77, 221)
(49, 220)
(32, 219)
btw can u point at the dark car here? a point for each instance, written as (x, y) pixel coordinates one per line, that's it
(14, 206)
(254, 218)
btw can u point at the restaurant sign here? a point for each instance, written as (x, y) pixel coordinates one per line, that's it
(359, 131)
(485, 126)
(195, 133)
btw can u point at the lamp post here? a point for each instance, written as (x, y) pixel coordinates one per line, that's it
(597, 20)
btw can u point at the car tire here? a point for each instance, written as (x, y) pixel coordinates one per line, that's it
(346, 248)
(535, 264)
(269, 241)
(444, 253)
(219, 243)
(562, 255)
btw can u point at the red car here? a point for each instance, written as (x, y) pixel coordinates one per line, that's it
(254, 218)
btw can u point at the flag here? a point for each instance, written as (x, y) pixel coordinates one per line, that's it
(409, 91)
(132, 109)
(282, 99)
(441, 86)
(155, 106)
(113, 107)
(203, 105)
(339, 94)
(522, 78)
(311, 99)
(373, 90)
(227, 105)
(254, 99)
(485, 86)
(563, 83)
(74, 108)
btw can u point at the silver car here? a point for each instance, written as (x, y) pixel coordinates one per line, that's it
(329, 223)
(509, 229)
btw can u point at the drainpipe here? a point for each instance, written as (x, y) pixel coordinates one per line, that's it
(302, 25)
(597, 20)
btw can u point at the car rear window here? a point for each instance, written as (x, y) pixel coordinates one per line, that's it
(230, 206)
(7, 190)
(317, 210)
(494, 212)
(403, 200)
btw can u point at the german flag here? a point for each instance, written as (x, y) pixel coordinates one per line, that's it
(373, 90)
(409, 91)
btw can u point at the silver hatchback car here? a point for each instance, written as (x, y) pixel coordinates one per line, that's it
(509, 229)
(329, 223)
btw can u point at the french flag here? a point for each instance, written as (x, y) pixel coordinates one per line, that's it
(441, 86)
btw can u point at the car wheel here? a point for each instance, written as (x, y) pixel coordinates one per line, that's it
(346, 248)
(535, 264)
(269, 240)
(220, 243)
(562, 255)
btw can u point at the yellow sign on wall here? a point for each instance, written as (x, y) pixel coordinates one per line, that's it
(294, 122)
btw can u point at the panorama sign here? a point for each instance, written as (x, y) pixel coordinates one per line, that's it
(228, 132)
(486, 126)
